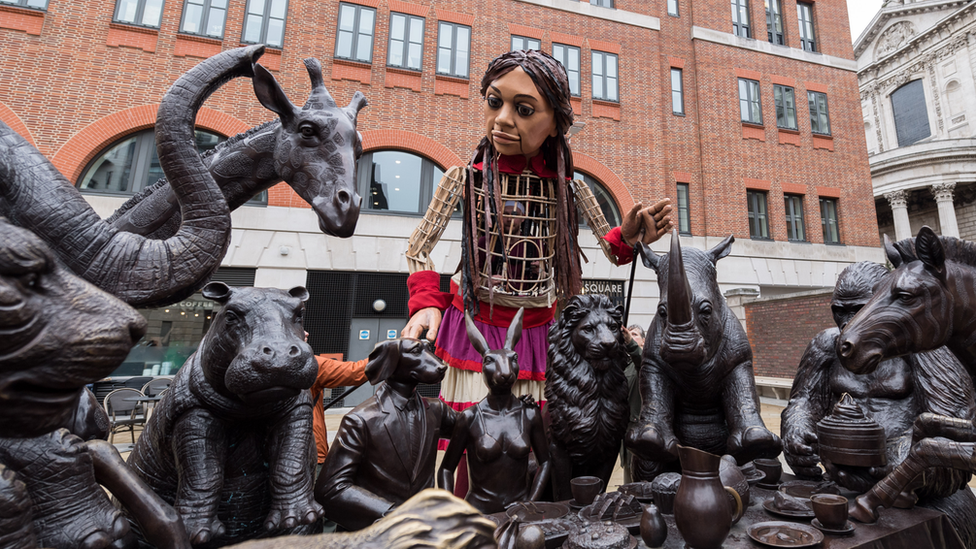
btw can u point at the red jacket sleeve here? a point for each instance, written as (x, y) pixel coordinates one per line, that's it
(425, 291)
(623, 251)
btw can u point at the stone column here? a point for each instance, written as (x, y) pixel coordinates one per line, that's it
(947, 212)
(899, 210)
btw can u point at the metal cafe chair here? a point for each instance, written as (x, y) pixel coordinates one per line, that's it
(124, 413)
(157, 385)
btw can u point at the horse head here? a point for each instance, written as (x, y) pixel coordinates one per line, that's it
(317, 148)
(911, 310)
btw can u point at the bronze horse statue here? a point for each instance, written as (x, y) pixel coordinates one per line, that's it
(313, 148)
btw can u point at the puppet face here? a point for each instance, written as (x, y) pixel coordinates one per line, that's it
(518, 119)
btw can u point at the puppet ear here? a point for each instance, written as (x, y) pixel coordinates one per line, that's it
(383, 361)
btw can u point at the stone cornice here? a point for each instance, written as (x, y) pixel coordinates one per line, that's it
(762, 46)
(874, 28)
(609, 14)
(921, 64)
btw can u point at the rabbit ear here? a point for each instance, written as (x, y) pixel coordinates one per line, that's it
(515, 330)
(475, 336)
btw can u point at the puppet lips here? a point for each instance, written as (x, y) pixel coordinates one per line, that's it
(504, 138)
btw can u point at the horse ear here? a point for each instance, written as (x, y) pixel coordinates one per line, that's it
(650, 259)
(722, 249)
(930, 251)
(383, 361)
(270, 94)
(514, 330)
(475, 336)
(893, 256)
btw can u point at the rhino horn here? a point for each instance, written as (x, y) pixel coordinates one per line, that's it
(679, 292)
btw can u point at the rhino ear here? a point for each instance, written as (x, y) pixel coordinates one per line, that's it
(650, 259)
(300, 292)
(722, 249)
(893, 256)
(930, 251)
(217, 291)
(270, 94)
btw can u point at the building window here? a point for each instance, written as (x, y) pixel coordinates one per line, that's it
(819, 120)
(911, 113)
(758, 226)
(774, 22)
(794, 217)
(750, 105)
(131, 164)
(406, 42)
(828, 218)
(453, 49)
(677, 92)
(397, 181)
(38, 4)
(804, 13)
(354, 39)
(204, 17)
(785, 107)
(146, 13)
(605, 76)
(265, 22)
(684, 217)
(740, 18)
(524, 43)
(673, 8)
(569, 56)
(603, 197)
(602, 3)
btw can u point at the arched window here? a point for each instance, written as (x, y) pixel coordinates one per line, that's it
(603, 198)
(911, 114)
(397, 182)
(131, 164)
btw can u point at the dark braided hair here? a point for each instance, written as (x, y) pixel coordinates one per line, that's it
(551, 80)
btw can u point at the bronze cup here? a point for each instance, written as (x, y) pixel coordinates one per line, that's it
(771, 467)
(831, 510)
(585, 489)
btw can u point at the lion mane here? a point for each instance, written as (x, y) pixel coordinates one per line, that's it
(587, 406)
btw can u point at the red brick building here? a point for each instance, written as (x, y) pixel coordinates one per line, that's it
(680, 104)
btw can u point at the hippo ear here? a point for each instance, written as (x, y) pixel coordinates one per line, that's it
(383, 361)
(722, 249)
(930, 251)
(893, 256)
(300, 292)
(270, 94)
(650, 259)
(217, 291)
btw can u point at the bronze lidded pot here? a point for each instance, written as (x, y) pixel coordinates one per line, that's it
(703, 512)
(848, 437)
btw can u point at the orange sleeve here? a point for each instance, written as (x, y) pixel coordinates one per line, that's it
(332, 373)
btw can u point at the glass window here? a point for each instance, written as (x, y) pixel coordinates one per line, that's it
(569, 56)
(911, 113)
(828, 219)
(794, 217)
(677, 92)
(453, 49)
(603, 197)
(750, 105)
(39, 4)
(264, 22)
(756, 204)
(673, 7)
(684, 216)
(605, 76)
(204, 17)
(406, 41)
(785, 107)
(804, 13)
(774, 22)
(523, 43)
(131, 164)
(397, 181)
(603, 3)
(354, 38)
(819, 120)
(740, 18)
(146, 13)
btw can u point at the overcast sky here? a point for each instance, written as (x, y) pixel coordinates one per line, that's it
(861, 12)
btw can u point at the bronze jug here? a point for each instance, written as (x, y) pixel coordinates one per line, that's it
(703, 511)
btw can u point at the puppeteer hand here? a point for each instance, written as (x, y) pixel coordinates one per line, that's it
(425, 321)
(646, 224)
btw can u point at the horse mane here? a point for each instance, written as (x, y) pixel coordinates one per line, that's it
(958, 250)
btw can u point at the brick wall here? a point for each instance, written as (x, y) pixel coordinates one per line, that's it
(780, 328)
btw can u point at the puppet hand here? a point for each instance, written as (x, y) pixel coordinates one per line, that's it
(426, 320)
(656, 221)
(630, 229)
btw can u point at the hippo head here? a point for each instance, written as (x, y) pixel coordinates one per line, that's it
(255, 348)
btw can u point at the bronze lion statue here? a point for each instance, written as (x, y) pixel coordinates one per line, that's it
(586, 391)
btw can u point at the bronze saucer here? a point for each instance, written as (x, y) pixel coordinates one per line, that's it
(535, 511)
(785, 534)
(847, 529)
(770, 506)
